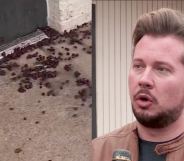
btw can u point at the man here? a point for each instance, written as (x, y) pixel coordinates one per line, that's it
(156, 85)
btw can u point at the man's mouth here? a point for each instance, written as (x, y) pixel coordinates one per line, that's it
(144, 97)
(143, 100)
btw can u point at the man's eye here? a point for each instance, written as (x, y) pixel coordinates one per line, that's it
(137, 66)
(163, 70)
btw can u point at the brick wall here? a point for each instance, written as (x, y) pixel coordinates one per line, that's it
(67, 14)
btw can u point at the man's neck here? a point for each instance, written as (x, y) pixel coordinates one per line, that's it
(161, 134)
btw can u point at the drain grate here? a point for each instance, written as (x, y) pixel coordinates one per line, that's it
(24, 41)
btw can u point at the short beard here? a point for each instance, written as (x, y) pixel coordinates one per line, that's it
(161, 120)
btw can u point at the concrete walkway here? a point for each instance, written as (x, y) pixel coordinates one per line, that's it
(45, 101)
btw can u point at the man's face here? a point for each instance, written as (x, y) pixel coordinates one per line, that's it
(156, 80)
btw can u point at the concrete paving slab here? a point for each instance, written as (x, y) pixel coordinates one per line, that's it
(48, 119)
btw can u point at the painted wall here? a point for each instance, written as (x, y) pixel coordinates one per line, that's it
(67, 14)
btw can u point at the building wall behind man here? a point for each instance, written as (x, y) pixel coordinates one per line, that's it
(115, 20)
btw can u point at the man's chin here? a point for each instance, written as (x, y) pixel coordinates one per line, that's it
(147, 120)
(159, 120)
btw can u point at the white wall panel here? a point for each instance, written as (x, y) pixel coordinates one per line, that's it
(128, 53)
(169, 3)
(106, 63)
(178, 5)
(150, 5)
(99, 67)
(164, 4)
(155, 5)
(160, 4)
(145, 6)
(117, 63)
(115, 21)
(112, 123)
(139, 8)
(123, 66)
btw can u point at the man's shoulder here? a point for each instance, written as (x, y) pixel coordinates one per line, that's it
(122, 138)
(118, 133)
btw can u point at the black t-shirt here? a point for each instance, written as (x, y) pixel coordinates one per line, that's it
(147, 152)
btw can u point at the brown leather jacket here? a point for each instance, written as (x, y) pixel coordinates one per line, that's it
(127, 138)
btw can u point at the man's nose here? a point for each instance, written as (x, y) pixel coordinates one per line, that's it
(146, 79)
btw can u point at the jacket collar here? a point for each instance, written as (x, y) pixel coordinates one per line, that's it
(170, 146)
(166, 147)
